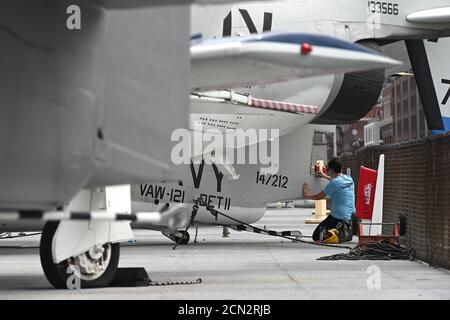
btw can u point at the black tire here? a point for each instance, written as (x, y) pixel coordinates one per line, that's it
(184, 238)
(57, 274)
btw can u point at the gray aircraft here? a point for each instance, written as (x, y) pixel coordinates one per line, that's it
(241, 190)
(97, 105)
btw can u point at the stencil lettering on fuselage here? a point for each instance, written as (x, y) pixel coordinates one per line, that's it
(447, 95)
(228, 22)
(162, 193)
(197, 175)
(173, 194)
(218, 201)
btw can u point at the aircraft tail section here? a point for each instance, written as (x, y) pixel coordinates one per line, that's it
(425, 57)
(298, 150)
(437, 53)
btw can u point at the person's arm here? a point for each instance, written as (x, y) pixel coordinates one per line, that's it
(322, 174)
(312, 196)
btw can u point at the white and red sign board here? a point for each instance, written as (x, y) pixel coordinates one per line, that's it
(369, 199)
(366, 193)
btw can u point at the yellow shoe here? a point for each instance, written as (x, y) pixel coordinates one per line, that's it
(332, 236)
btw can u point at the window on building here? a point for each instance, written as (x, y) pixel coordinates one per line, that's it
(405, 128)
(421, 124)
(405, 107)
(412, 84)
(387, 109)
(414, 132)
(413, 108)
(386, 134)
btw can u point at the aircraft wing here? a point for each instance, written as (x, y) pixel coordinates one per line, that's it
(274, 57)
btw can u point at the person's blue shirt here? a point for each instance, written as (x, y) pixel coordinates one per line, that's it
(342, 192)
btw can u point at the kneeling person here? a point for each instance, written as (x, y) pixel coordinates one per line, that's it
(341, 190)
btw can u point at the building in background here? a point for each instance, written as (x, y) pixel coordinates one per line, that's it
(398, 116)
(351, 136)
(406, 110)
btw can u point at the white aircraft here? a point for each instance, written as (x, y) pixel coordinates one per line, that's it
(90, 94)
(299, 108)
(294, 107)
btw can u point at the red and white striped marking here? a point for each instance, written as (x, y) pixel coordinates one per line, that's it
(283, 106)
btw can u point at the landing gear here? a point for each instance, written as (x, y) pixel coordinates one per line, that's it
(95, 268)
(225, 232)
(179, 237)
(185, 237)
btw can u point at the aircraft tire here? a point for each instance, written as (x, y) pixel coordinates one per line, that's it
(57, 274)
(184, 238)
